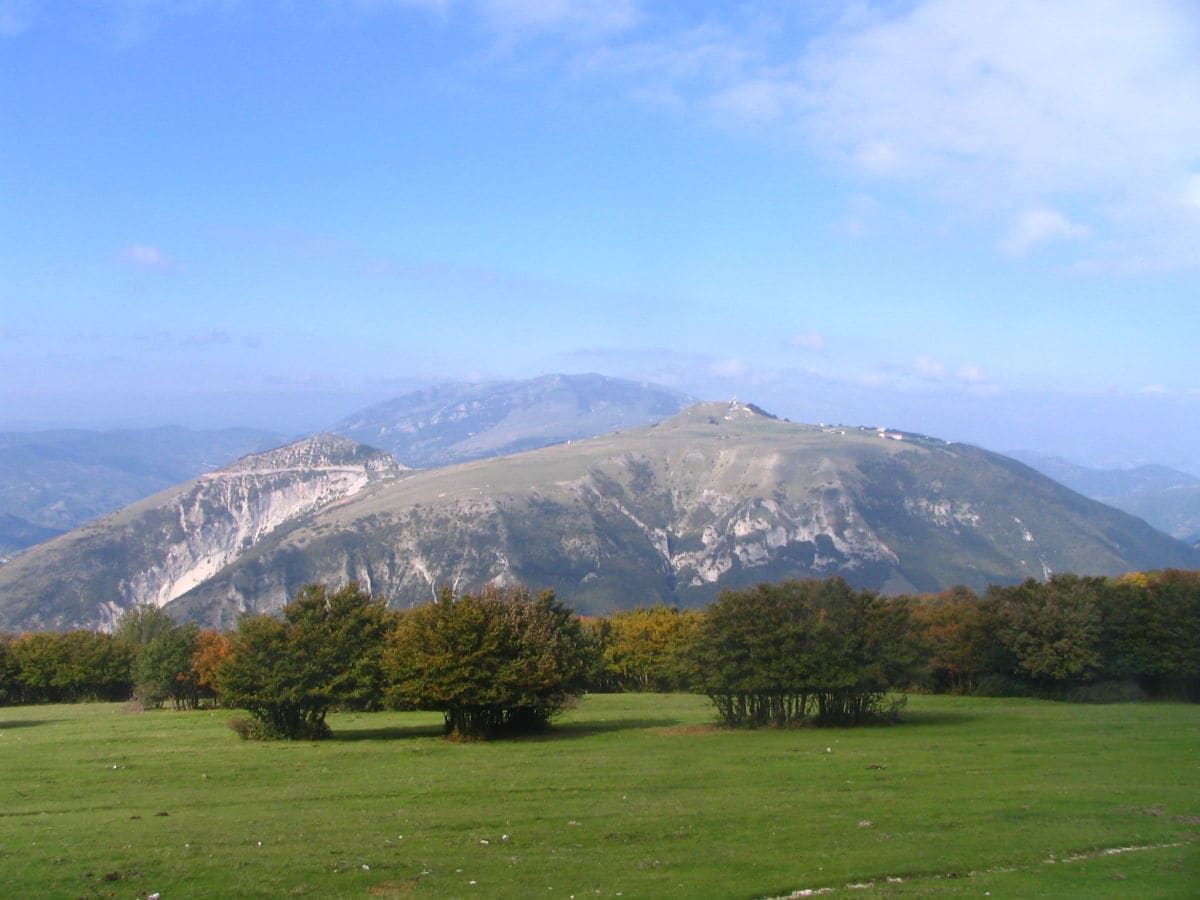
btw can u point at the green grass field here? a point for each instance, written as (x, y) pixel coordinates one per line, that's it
(631, 795)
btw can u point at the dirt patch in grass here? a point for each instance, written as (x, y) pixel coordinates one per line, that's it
(404, 888)
(688, 729)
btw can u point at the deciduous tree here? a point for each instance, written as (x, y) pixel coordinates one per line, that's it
(1052, 629)
(72, 666)
(493, 663)
(163, 670)
(212, 649)
(778, 654)
(650, 649)
(325, 652)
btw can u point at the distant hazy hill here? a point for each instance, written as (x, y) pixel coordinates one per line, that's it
(1166, 498)
(157, 549)
(53, 481)
(17, 534)
(454, 423)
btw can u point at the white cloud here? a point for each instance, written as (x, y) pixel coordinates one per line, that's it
(879, 157)
(808, 340)
(1038, 226)
(1191, 191)
(689, 66)
(929, 368)
(146, 256)
(993, 107)
(728, 368)
(995, 104)
(971, 374)
(757, 99)
(1047, 93)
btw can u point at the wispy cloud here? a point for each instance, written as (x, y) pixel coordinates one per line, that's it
(928, 368)
(1072, 119)
(733, 367)
(1039, 226)
(998, 104)
(808, 340)
(972, 374)
(146, 256)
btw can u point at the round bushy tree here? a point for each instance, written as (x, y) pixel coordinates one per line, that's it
(819, 651)
(72, 666)
(142, 623)
(1051, 629)
(163, 668)
(649, 649)
(325, 652)
(493, 663)
(10, 672)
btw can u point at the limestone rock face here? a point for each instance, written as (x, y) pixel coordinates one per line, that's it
(159, 549)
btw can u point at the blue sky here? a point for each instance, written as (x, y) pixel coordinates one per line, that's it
(976, 220)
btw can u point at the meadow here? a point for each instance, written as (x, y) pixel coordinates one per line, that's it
(631, 795)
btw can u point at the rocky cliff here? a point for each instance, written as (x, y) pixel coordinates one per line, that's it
(720, 495)
(160, 548)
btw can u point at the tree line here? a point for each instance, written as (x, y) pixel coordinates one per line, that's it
(504, 661)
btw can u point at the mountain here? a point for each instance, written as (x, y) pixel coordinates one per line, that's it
(159, 548)
(53, 481)
(719, 495)
(1166, 498)
(17, 534)
(454, 423)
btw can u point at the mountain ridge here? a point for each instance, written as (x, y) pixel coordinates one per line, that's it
(461, 421)
(719, 495)
(1167, 498)
(716, 496)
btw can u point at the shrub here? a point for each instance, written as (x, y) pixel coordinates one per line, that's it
(495, 663)
(325, 652)
(651, 649)
(804, 651)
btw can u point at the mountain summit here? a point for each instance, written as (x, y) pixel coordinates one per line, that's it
(454, 423)
(719, 495)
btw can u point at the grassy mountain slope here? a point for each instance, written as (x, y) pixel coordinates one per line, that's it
(719, 495)
(454, 423)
